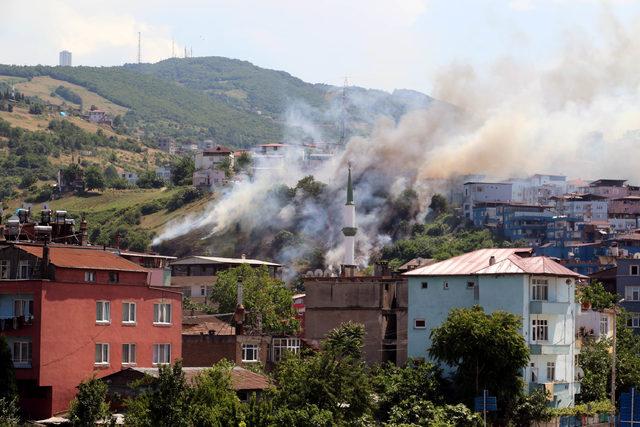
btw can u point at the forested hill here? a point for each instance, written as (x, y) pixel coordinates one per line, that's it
(233, 102)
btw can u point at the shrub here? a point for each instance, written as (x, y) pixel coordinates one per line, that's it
(183, 197)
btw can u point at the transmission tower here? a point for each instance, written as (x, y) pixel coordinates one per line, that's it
(343, 116)
(139, 46)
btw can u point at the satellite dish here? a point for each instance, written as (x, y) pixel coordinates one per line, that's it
(636, 255)
(318, 273)
(309, 273)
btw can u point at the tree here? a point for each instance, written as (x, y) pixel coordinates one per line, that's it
(596, 295)
(111, 173)
(149, 179)
(165, 404)
(418, 412)
(438, 204)
(93, 178)
(487, 351)
(89, 405)
(329, 387)
(242, 162)
(9, 388)
(529, 409)
(595, 361)
(266, 299)
(9, 413)
(394, 385)
(182, 171)
(214, 402)
(71, 173)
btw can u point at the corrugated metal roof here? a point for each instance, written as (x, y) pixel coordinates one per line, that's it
(83, 258)
(221, 260)
(467, 263)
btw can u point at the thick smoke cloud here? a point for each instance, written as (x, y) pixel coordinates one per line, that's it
(578, 116)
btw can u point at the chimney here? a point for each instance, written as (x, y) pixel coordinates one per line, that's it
(239, 314)
(492, 260)
(381, 269)
(83, 232)
(44, 266)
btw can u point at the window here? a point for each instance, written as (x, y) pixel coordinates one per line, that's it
(103, 311)
(128, 312)
(551, 371)
(425, 285)
(280, 346)
(249, 352)
(22, 307)
(539, 292)
(162, 313)
(114, 277)
(632, 293)
(419, 323)
(89, 276)
(161, 354)
(203, 291)
(24, 269)
(534, 373)
(128, 354)
(634, 321)
(102, 354)
(21, 353)
(540, 281)
(634, 270)
(471, 285)
(445, 285)
(5, 269)
(604, 325)
(540, 330)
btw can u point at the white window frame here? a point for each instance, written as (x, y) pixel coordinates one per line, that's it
(604, 325)
(21, 307)
(162, 314)
(129, 354)
(551, 371)
(103, 312)
(129, 313)
(634, 321)
(632, 293)
(250, 350)
(281, 345)
(539, 330)
(90, 276)
(21, 352)
(5, 269)
(29, 272)
(416, 326)
(539, 291)
(161, 354)
(101, 356)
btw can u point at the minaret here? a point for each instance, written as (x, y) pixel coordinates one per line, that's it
(349, 230)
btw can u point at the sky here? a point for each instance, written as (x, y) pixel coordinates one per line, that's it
(384, 44)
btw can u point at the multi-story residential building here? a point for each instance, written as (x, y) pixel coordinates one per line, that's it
(65, 58)
(168, 145)
(587, 207)
(485, 214)
(212, 166)
(73, 312)
(608, 188)
(131, 177)
(539, 290)
(524, 222)
(164, 172)
(196, 275)
(628, 287)
(476, 192)
(377, 302)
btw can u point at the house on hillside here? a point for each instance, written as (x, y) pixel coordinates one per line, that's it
(212, 167)
(538, 289)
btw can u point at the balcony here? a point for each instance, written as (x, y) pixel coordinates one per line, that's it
(15, 323)
(546, 307)
(558, 387)
(547, 348)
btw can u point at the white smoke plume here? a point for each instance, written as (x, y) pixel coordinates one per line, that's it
(577, 116)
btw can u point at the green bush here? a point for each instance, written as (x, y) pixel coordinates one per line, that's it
(151, 207)
(183, 197)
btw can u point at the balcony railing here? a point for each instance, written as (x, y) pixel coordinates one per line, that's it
(15, 322)
(548, 348)
(548, 307)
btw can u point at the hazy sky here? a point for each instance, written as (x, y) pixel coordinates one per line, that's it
(376, 43)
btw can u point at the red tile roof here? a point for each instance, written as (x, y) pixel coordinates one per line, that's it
(533, 265)
(241, 378)
(196, 325)
(83, 258)
(219, 149)
(467, 263)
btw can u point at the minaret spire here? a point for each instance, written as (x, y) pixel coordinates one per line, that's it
(349, 230)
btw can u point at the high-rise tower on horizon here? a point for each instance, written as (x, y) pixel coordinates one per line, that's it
(349, 230)
(65, 59)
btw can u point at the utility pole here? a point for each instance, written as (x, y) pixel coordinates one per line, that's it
(139, 46)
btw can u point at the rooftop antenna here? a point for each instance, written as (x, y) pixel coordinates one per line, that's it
(191, 53)
(173, 48)
(343, 118)
(139, 46)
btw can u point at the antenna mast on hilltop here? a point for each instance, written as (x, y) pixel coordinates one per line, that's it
(173, 48)
(343, 117)
(139, 46)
